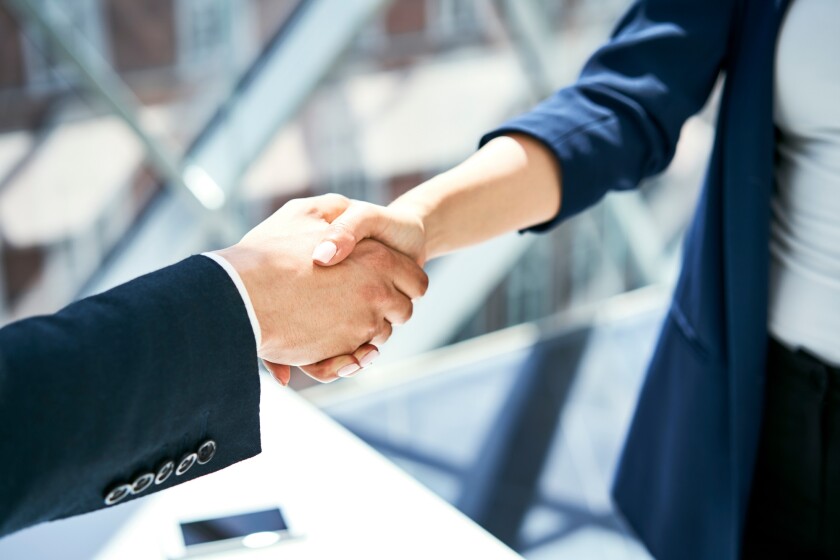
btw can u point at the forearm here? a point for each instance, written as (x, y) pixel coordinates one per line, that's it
(512, 183)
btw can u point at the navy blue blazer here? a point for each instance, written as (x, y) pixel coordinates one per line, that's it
(108, 397)
(684, 479)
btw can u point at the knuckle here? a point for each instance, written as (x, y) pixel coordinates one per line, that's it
(401, 314)
(378, 256)
(375, 294)
(342, 231)
(407, 313)
(336, 199)
(424, 283)
(373, 330)
(295, 203)
(385, 331)
(367, 331)
(389, 297)
(384, 295)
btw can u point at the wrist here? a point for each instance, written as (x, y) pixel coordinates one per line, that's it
(413, 207)
(242, 260)
(224, 259)
(422, 205)
(251, 267)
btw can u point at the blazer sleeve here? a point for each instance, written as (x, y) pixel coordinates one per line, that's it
(110, 396)
(620, 121)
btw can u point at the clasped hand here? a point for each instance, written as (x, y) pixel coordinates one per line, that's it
(324, 289)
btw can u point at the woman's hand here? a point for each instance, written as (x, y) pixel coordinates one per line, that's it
(512, 183)
(400, 227)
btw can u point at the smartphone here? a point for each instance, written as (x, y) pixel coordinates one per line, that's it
(256, 529)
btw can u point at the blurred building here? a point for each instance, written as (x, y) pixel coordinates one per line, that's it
(73, 178)
(413, 93)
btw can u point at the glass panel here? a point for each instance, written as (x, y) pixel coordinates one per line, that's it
(74, 177)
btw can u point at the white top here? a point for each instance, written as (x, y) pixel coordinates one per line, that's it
(804, 306)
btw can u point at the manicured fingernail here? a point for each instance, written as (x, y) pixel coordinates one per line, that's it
(348, 370)
(324, 252)
(368, 358)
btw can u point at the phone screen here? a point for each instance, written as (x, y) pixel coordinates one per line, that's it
(231, 527)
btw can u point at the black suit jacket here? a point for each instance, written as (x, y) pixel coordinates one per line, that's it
(116, 386)
(685, 476)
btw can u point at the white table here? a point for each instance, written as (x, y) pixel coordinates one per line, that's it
(344, 498)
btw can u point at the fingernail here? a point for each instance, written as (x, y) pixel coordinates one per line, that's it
(324, 252)
(368, 358)
(348, 370)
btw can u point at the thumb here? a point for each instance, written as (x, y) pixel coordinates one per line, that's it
(282, 373)
(357, 223)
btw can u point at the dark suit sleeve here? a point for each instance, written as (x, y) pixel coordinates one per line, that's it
(620, 122)
(117, 385)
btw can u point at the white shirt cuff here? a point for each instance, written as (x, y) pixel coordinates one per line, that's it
(246, 299)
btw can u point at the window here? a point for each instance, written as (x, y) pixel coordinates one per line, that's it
(77, 20)
(202, 32)
(453, 17)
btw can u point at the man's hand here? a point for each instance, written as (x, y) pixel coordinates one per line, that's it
(400, 228)
(308, 313)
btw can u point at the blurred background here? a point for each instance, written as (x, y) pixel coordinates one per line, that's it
(135, 133)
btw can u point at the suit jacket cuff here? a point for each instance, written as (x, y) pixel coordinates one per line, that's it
(243, 293)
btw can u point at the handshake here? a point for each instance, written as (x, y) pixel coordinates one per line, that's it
(328, 278)
(324, 280)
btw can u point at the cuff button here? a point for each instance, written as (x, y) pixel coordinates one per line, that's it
(164, 472)
(118, 494)
(186, 464)
(206, 451)
(142, 483)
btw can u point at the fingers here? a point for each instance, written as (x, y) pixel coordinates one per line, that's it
(331, 369)
(358, 222)
(383, 334)
(280, 372)
(326, 206)
(408, 278)
(397, 309)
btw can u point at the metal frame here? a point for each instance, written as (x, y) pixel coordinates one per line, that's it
(102, 81)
